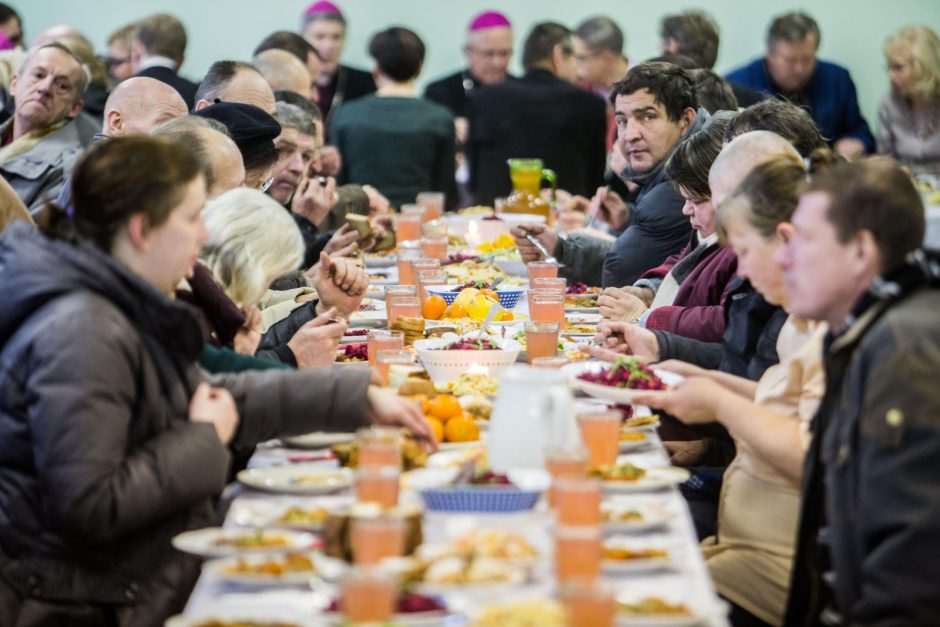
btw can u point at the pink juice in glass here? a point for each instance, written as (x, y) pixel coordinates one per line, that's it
(601, 434)
(547, 306)
(380, 339)
(541, 339)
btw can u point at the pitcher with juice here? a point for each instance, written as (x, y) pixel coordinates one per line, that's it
(526, 176)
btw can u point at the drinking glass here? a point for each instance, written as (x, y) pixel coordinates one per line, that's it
(429, 278)
(368, 595)
(402, 305)
(382, 339)
(433, 203)
(408, 223)
(565, 462)
(586, 604)
(541, 339)
(378, 484)
(547, 306)
(397, 290)
(601, 434)
(379, 446)
(375, 538)
(577, 502)
(385, 359)
(578, 552)
(541, 269)
(405, 257)
(434, 247)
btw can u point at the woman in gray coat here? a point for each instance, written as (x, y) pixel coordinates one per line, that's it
(112, 440)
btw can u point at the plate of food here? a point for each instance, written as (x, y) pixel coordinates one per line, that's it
(581, 325)
(581, 303)
(541, 612)
(633, 515)
(355, 335)
(623, 554)
(352, 354)
(384, 259)
(302, 514)
(277, 569)
(220, 542)
(297, 479)
(626, 477)
(318, 440)
(649, 422)
(582, 289)
(650, 611)
(237, 618)
(411, 610)
(633, 440)
(621, 382)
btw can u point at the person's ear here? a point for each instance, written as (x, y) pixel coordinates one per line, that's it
(867, 252)
(76, 108)
(12, 88)
(558, 57)
(688, 117)
(785, 232)
(201, 104)
(137, 232)
(115, 120)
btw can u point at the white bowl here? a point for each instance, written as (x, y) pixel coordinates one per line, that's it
(445, 365)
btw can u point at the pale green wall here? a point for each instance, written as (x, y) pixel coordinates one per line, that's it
(852, 31)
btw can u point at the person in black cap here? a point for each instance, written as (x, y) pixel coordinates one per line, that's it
(254, 132)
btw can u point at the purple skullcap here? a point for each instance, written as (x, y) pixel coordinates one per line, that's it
(489, 19)
(324, 6)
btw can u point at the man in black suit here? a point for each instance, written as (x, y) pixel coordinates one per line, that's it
(157, 52)
(542, 115)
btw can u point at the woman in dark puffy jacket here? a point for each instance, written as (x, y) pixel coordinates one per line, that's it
(113, 440)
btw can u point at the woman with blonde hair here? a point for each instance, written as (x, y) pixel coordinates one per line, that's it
(909, 115)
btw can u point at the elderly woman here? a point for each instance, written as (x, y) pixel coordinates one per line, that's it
(686, 294)
(113, 440)
(909, 116)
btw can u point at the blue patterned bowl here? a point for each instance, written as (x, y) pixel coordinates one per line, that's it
(488, 499)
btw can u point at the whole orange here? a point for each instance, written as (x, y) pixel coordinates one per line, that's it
(444, 407)
(461, 428)
(433, 308)
(437, 428)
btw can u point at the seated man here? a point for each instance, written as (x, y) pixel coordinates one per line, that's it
(282, 70)
(791, 71)
(655, 108)
(211, 142)
(868, 542)
(234, 81)
(300, 48)
(253, 131)
(40, 143)
(542, 115)
(157, 51)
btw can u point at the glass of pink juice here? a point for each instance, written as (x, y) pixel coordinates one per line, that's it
(379, 446)
(382, 339)
(378, 485)
(430, 278)
(433, 203)
(578, 552)
(375, 538)
(408, 226)
(434, 247)
(405, 257)
(368, 595)
(565, 463)
(385, 359)
(397, 290)
(587, 605)
(577, 501)
(547, 306)
(397, 306)
(601, 434)
(541, 339)
(541, 269)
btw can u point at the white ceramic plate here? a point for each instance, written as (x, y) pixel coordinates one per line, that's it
(655, 479)
(381, 261)
(371, 319)
(654, 515)
(630, 446)
(318, 439)
(297, 479)
(415, 619)
(237, 617)
(355, 339)
(582, 310)
(324, 567)
(269, 513)
(638, 565)
(626, 619)
(214, 541)
(622, 396)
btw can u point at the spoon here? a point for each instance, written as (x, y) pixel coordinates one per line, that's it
(494, 309)
(538, 244)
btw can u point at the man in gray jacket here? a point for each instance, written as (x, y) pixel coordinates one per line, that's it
(40, 143)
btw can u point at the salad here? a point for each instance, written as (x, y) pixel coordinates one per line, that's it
(352, 353)
(471, 344)
(626, 373)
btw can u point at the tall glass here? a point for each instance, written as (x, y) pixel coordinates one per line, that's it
(385, 359)
(601, 434)
(587, 605)
(382, 339)
(376, 538)
(434, 247)
(541, 269)
(547, 306)
(408, 223)
(541, 339)
(428, 278)
(368, 596)
(397, 290)
(405, 257)
(379, 446)
(544, 285)
(578, 552)
(577, 502)
(433, 203)
(378, 484)
(434, 228)
(565, 463)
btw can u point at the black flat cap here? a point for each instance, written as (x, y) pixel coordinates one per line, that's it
(252, 129)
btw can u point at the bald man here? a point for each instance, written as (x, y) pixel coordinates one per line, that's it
(138, 104)
(210, 140)
(235, 81)
(282, 70)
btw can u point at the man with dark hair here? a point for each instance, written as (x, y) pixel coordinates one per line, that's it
(713, 92)
(324, 26)
(542, 115)
(300, 48)
(655, 108)
(158, 51)
(40, 143)
(868, 542)
(783, 118)
(598, 48)
(791, 71)
(694, 34)
(234, 81)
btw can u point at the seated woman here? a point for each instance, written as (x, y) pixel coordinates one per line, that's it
(909, 116)
(398, 143)
(113, 439)
(686, 294)
(751, 555)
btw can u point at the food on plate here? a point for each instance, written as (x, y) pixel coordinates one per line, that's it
(651, 606)
(459, 257)
(632, 436)
(523, 614)
(296, 515)
(476, 210)
(489, 477)
(456, 240)
(581, 288)
(576, 355)
(471, 270)
(504, 242)
(414, 385)
(622, 554)
(412, 328)
(353, 353)
(356, 332)
(408, 603)
(627, 374)
(470, 344)
(338, 527)
(618, 472)
(413, 454)
(379, 276)
(433, 308)
(613, 515)
(580, 302)
(258, 539)
(474, 383)
(217, 622)
(274, 566)
(641, 421)
(580, 328)
(494, 543)
(324, 479)
(476, 406)
(479, 556)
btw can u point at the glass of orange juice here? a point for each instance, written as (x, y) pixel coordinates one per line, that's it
(577, 501)
(541, 269)
(433, 203)
(430, 277)
(408, 223)
(378, 484)
(382, 339)
(379, 446)
(434, 247)
(368, 595)
(386, 358)
(578, 552)
(405, 257)
(545, 285)
(402, 305)
(565, 462)
(586, 604)
(541, 339)
(547, 306)
(374, 538)
(601, 434)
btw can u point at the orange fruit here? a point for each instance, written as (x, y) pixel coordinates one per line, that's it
(506, 316)
(461, 429)
(433, 308)
(425, 402)
(444, 407)
(490, 294)
(458, 311)
(437, 428)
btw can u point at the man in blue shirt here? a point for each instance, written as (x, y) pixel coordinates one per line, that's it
(791, 71)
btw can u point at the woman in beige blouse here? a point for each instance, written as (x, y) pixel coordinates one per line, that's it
(751, 554)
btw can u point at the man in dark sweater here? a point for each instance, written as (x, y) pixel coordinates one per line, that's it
(542, 115)
(655, 108)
